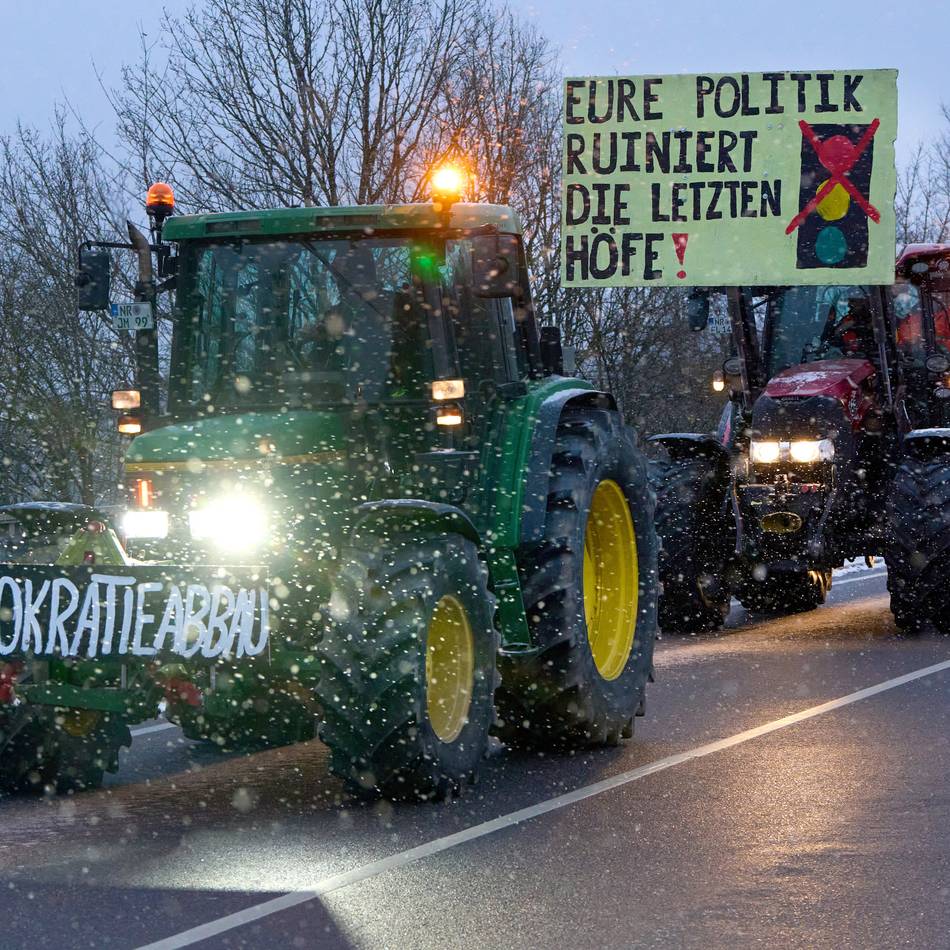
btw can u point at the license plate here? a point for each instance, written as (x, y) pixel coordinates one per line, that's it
(132, 316)
(114, 611)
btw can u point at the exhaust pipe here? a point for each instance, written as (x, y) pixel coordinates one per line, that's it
(146, 341)
(144, 252)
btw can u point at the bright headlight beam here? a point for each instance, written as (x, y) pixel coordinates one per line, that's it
(809, 451)
(804, 451)
(801, 451)
(145, 524)
(765, 453)
(232, 522)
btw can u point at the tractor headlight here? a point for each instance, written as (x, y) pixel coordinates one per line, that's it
(809, 451)
(802, 451)
(150, 523)
(235, 522)
(765, 453)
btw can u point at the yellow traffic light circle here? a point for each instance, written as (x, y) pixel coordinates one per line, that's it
(834, 206)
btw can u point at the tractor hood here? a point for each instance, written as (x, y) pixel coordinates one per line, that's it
(286, 437)
(836, 378)
(289, 470)
(844, 381)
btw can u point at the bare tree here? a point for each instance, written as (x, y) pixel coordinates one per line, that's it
(57, 366)
(922, 203)
(277, 103)
(502, 89)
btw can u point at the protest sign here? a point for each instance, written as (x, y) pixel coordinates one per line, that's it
(731, 179)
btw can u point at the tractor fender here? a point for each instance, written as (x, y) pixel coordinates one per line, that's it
(543, 439)
(375, 518)
(683, 445)
(924, 444)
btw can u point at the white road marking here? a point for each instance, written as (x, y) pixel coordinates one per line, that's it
(393, 862)
(158, 727)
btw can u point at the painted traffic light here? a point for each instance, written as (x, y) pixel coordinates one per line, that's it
(834, 209)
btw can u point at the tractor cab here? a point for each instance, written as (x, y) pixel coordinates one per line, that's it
(897, 337)
(329, 354)
(891, 343)
(347, 316)
(920, 314)
(810, 325)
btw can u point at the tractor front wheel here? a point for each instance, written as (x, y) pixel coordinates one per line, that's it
(590, 591)
(696, 540)
(245, 730)
(408, 668)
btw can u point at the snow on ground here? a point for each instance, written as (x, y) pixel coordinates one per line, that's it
(857, 566)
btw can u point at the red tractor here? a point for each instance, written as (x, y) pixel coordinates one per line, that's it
(835, 444)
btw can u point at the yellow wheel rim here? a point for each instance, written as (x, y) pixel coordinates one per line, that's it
(450, 669)
(611, 581)
(78, 722)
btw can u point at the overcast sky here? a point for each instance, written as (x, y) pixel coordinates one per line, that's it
(50, 49)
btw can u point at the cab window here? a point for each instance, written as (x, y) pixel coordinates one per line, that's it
(908, 303)
(484, 328)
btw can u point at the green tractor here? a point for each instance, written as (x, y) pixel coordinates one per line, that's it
(368, 506)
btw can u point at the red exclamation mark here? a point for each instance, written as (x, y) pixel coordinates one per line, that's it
(679, 245)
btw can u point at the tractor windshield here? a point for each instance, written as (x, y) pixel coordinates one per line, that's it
(805, 324)
(269, 324)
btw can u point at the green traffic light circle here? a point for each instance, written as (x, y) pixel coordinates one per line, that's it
(831, 246)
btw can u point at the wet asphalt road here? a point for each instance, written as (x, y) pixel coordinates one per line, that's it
(832, 830)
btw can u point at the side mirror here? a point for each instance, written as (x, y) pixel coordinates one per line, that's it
(697, 309)
(92, 281)
(495, 265)
(552, 355)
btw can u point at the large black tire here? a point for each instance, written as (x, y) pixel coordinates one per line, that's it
(785, 592)
(918, 550)
(247, 729)
(379, 720)
(555, 697)
(696, 537)
(59, 750)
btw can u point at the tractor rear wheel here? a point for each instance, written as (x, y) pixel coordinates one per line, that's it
(788, 592)
(918, 551)
(695, 542)
(64, 750)
(408, 667)
(590, 596)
